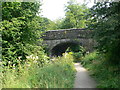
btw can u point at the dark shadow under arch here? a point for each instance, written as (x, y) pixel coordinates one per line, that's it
(59, 49)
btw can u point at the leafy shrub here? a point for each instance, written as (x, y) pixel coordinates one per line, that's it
(88, 59)
(77, 52)
(20, 31)
(77, 56)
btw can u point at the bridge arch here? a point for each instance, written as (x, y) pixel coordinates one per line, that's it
(61, 48)
(60, 40)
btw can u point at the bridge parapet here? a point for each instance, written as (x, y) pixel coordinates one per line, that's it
(67, 33)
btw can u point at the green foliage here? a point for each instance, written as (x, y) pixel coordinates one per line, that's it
(52, 25)
(106, 25)
(77, 56)
(58, 73)
(58, 23)
(74, 16)
(106, 75)
(75, 48)
(24, 63)
(22, 76)
(28, 10)
(89, 58)
(45, 23)
(77, 52)
(21, 31)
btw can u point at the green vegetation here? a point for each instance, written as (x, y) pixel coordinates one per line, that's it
(25, 63)
(106, 75)
(20, 31)
(88, 58)
(105, 24)
(104, 64)
(58, 73)
(77, 52)
(75, 17)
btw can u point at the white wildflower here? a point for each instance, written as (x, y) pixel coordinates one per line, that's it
(35, 61)
(9, 62)
(28, 65)
(13, 65)
(36, 57)
(19, 57)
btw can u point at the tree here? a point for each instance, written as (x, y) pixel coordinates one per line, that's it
(106, 25)
(55, 25)
(20, 31)
(74, 13)
(48, 24)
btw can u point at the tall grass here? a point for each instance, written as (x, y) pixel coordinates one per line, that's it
(58, 73)
(107, 75)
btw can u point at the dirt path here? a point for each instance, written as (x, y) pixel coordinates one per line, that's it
(83, 80)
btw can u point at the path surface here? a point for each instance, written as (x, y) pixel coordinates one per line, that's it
(83, 80)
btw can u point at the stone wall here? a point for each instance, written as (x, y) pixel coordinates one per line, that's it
(81, 37)
(67, 34)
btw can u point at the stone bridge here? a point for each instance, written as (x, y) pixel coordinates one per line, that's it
(57, 41)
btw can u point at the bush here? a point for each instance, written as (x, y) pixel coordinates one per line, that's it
(88, 59)
(77, 56)
(77, 52)
(20, 31)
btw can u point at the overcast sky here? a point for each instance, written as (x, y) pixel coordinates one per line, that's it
(54, 9)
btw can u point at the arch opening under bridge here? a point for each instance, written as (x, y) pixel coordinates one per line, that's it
(61, 48)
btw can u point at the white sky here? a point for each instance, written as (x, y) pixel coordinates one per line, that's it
(54, 9)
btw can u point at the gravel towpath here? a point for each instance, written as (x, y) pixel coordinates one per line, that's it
(83, 79)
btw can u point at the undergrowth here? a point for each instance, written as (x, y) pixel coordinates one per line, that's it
(107, 75)
(57, 73)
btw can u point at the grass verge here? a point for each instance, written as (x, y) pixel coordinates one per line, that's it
(106, 75)
(59, 73)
